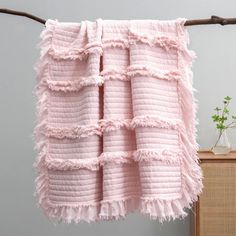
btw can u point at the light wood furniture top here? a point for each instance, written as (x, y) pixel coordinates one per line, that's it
(208, 155)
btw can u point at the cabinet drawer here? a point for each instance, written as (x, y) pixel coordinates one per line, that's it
(215, 211)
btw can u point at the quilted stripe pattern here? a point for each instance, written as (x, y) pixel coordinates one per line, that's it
(116, 120)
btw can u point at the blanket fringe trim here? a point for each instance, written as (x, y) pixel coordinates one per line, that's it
(72, 164)
(115, 43)
(167, 43)
(116, 158)
(77, 53)
(113, 74)
(72, 132)
(76, 85)
(155, 121)
(165, 155)
(107, 125)
(118, 209)
(139, 70)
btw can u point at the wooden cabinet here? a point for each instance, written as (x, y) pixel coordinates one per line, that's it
(215, 212)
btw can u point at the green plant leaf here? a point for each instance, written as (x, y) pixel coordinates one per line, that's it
(217, 109)
(227, 98)
(220, 126)
(215, 118)
(226, 111)
(224, 118)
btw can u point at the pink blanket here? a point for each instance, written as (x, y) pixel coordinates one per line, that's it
(116, 120)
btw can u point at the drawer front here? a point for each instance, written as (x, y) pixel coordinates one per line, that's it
(217, 204)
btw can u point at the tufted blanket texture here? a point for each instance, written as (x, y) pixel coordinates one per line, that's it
(116, 120)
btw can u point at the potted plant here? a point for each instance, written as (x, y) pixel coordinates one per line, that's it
(223, 121)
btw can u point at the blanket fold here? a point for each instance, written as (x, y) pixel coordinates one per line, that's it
(116, 120)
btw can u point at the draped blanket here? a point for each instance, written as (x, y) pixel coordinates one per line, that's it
(116, 120)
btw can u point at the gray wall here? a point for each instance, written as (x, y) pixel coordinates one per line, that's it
(214, 78)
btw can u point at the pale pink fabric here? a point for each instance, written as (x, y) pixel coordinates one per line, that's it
(116, 120)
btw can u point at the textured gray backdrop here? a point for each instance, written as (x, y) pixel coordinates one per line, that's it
(214, 77)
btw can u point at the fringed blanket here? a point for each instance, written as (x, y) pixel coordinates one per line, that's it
(116, 120)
